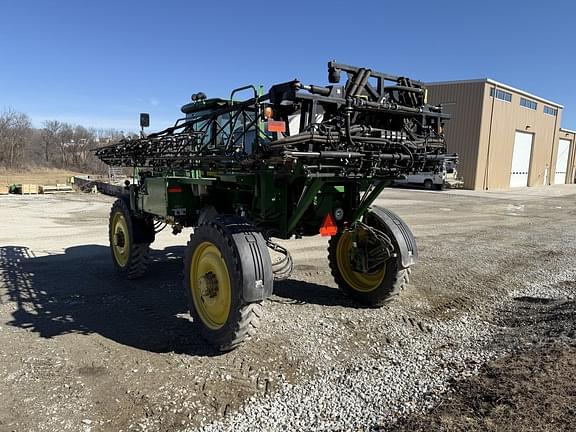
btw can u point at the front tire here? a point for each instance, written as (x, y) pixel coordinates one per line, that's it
(130, 240)
(214, 278)
(371, 288)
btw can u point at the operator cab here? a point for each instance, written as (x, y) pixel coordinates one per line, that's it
(224, 130)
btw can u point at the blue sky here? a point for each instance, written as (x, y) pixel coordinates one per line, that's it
(100, 63)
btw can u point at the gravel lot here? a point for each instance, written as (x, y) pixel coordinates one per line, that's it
(83, 350)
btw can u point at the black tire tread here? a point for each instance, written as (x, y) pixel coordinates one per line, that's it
(394, 284)
(245, 317)
(247, 326)
(139, 252)
(139, 260)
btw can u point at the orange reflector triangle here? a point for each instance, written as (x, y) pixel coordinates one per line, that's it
(329, 227)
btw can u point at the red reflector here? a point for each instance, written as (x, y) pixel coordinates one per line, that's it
(276, 126)
(174, 189)
(329, 227)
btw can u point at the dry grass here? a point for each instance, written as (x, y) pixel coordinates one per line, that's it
(48, 176)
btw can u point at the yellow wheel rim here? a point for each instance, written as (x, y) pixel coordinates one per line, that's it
(363, 282)
(210, 285)
(120, 239)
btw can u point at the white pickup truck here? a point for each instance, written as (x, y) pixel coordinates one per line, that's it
(444, 175)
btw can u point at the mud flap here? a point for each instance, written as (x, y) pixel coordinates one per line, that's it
(255, 263)
(401, 236)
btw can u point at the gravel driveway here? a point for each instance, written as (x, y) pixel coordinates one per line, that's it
(83, 350)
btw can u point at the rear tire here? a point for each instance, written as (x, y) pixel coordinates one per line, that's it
(130, 254)
(428, 184)
(213, 277)
(370, 289)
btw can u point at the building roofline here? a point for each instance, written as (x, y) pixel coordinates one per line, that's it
(499, 84)
(568, 130)
(468, 81)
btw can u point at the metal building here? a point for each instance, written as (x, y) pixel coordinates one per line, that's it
(505, 137)
(566, 157)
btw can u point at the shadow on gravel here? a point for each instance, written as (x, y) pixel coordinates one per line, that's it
(79, 292)
(539, 300)
(301, 292)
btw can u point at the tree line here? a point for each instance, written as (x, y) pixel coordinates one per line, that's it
(55, 145)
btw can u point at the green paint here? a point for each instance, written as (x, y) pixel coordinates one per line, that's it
(367, 202)
(305, 201)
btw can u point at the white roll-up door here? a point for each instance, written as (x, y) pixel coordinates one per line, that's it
(562, 161)
(521, 159)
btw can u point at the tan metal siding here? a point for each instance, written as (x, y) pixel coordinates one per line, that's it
(464, 102)
(570, 136)
(500, 121)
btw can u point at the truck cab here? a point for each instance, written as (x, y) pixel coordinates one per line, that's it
(439, 176)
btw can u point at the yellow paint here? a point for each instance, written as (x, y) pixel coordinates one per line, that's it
(120, 239)
(210, 285)
(362, 282)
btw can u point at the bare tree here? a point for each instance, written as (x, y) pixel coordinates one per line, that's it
(65, 140)
(107, 136)
(15, 130)
(50, 133)
(82, 139)
(34, 151)
(56, 144)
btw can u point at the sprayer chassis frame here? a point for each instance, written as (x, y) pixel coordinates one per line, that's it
(279, 205)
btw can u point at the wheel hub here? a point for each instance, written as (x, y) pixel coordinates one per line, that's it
(369, 251)
(208, 285)
(357, 257)
(356, 252)
(119, 238)
(211, 286)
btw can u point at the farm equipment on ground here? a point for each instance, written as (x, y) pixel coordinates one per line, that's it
(300, 160)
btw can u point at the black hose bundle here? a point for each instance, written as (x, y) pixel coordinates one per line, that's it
(281, 269)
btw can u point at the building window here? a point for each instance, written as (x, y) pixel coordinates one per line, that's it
(527, 103)
(501, 94)
(550, 111)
